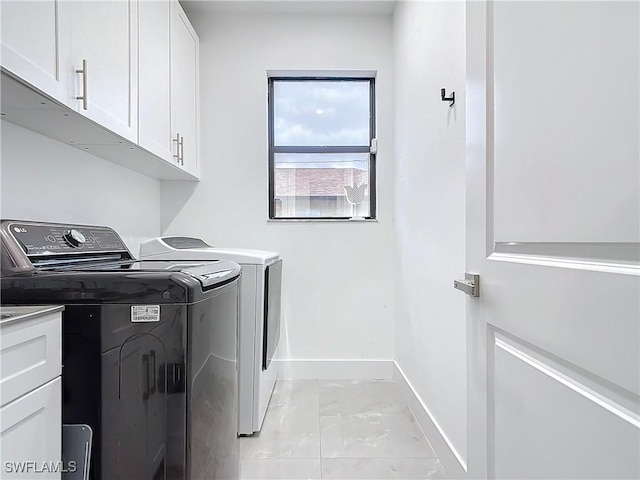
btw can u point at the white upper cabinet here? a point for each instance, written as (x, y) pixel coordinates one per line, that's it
(185, 86)
(35, 44)
(154, 78)
(168, 79)
(129, 66)
(104, 54)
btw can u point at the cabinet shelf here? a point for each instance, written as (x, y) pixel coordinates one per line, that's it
(25, 106)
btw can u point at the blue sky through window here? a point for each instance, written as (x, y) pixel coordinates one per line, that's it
(321, 113)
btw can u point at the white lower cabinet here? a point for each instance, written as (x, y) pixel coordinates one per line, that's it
(31, 434)
(31, 399)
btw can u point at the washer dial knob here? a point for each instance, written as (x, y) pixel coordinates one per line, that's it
(74, 238)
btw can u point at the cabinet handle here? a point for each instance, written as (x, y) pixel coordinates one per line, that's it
(85, 93)
(182, 151)
(177, 154)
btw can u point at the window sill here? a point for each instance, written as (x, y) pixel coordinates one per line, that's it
(322, 220)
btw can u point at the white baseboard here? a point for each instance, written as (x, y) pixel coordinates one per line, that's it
(336, 369)
(449, 457)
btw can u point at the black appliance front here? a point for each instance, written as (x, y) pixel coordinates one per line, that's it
(149, 355)
(161, 394)
(212, 393)
(119, 378)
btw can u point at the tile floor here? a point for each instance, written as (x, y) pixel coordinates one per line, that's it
(343, 430)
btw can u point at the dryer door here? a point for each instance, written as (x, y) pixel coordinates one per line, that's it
(272, 298)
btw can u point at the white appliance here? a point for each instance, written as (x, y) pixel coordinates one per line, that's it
(259, 329)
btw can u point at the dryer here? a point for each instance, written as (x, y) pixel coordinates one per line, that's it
(260, 309)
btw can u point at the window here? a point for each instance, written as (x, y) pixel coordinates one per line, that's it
(321, 148)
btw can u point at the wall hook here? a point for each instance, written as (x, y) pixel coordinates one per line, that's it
(451, 99)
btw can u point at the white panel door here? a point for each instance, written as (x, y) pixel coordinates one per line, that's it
(154, 95)
(31, 434)
(184, 90)
(104, 33)
(35, 44)
(553, 229)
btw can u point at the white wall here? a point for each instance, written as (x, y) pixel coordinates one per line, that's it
(429, 49)
(43, 179)
(337, 285)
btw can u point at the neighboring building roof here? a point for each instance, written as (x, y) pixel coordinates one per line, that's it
(299, 182)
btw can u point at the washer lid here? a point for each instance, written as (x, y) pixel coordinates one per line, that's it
(188, 248)
(208, 274)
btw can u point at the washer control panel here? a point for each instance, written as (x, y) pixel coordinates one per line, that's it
(74, 238)
(46, 239)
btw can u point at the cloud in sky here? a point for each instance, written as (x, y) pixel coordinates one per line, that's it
(322, 113)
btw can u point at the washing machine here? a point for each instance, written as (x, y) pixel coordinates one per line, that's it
(149, 348)
(260, 306)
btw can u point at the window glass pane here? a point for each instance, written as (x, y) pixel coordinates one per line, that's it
(321, 185)
(321, 113)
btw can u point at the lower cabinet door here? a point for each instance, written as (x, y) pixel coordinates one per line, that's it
(31, 435)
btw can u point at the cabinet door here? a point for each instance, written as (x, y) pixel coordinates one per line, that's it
(30, 354)
(35, 44)
(154, 78)
(104, 34)
(31, 434)
(185, 89)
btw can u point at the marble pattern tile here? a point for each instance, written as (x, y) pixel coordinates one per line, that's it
(296, 394)
(291, 427)
(358, 396)
(372, 435)
(341, 430)
(382, 469)
(284, 437)
(280, 469)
